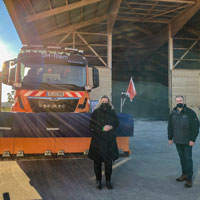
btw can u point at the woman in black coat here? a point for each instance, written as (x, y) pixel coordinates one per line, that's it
(103, 147)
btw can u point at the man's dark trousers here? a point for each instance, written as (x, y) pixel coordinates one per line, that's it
(185, 155)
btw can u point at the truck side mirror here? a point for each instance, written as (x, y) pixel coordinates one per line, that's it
(12, 75)
(95, 74)
(8, 72)
(5, 72)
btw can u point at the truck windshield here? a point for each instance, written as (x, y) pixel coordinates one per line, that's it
(53, 74)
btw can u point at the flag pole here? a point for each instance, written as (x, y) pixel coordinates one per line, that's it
(123, 99)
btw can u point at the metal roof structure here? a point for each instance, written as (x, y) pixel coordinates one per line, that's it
(124, 34)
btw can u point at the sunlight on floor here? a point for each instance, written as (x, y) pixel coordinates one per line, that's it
(117, 164)
(15, 182)
(197, 178)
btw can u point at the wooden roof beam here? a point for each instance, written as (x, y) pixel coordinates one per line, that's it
(132, 9)
(59, 10)
(12, 11)
(174, 1)
(147, 9)
(89, 46)
(181, 20)
(192, 30)
(113, 15)
(182, 57)
(151, 9)
(64, 38)
(151, 4)
(144, 14)
(50, 6)
(161, 38)
(88, 33)
(142, 20)
(73, 27)
(68, 19)
(168, 11)
(26, 4)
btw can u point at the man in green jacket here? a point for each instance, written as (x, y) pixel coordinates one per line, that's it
(183, 128)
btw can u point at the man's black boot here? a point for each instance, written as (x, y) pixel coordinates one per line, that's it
(182, 178)
(188, 184)
(108, 185)
(98, 184)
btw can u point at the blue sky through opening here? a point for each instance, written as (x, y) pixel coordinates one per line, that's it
(9, 42)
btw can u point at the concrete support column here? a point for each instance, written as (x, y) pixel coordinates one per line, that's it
(109, 55)
(170, 66)
(73, 35)
(109, 51)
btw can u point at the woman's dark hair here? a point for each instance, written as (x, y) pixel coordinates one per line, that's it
(106, 97)
(99, 103)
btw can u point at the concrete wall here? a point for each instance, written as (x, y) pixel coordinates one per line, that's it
(186, 83)
(105, 83)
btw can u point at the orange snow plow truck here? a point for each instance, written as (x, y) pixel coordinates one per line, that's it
(51, 110)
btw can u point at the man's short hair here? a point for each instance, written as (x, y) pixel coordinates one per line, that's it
(180, 96)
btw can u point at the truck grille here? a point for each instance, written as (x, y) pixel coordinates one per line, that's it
(45, 105)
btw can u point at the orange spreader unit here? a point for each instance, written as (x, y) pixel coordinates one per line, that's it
(36, 133)
(40, 145)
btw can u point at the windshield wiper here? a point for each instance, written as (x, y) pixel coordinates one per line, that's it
(37, 83)
(69, 85)
(59, 86)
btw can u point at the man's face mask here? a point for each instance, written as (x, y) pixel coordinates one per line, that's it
(105, 106)
(180, 105)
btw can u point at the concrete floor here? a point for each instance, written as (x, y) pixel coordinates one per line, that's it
(148, 174)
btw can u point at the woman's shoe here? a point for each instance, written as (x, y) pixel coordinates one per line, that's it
(108, 185)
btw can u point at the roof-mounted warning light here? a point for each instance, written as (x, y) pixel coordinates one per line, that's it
(81, 51)
(73, 50)
(50, 48)
(53, 47)
(32, 46)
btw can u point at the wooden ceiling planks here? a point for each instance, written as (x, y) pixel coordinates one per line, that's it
(138, 27)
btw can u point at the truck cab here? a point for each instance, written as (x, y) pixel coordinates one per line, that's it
(49, 79)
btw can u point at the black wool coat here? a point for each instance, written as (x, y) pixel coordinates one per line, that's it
(103, 144)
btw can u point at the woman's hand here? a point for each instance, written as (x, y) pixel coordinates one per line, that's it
(170, 141)
(107, 128)
(191, 143)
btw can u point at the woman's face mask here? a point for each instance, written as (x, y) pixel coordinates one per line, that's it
(105, 106)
